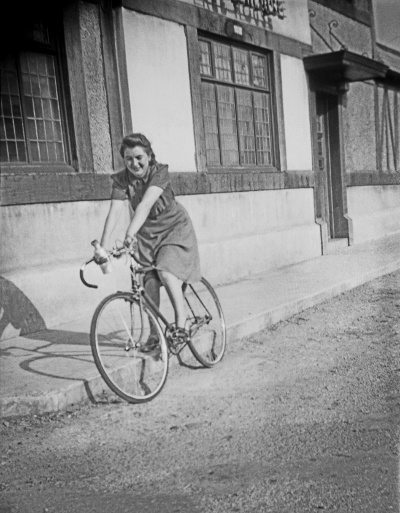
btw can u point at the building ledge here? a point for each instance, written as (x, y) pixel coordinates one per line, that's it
(344, 66)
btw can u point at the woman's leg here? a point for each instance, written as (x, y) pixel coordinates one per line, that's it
(173, 286)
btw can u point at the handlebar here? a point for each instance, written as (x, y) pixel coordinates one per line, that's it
(81, 274)
(116, 252)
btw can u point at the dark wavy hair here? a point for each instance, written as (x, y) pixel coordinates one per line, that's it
(132, 140)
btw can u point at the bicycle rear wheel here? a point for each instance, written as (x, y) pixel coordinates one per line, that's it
(205, 323)
(119, 325)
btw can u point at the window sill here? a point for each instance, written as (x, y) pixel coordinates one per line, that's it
(242, 170)
(24, 169)
(30, 188)
(43, 187)
(366, 178)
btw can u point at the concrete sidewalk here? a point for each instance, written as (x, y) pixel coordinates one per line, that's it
(53, 369)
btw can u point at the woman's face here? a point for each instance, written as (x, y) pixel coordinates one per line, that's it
(137, 161)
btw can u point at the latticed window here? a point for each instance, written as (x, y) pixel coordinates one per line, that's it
(236, 96)
(31, 122)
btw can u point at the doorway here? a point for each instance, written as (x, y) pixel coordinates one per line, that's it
(329, 177)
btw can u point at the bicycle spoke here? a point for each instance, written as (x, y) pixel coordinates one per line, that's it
(119, 326)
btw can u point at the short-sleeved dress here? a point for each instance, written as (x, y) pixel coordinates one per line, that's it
(167, 238)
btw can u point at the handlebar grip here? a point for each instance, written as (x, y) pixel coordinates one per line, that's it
(133, 254)
(82, 275)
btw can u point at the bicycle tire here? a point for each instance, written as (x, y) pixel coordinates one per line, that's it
(206, 323)
(120, 322)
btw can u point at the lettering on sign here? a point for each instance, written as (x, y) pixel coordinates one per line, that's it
(266, 7)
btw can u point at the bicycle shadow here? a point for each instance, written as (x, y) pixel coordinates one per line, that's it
(63, 357)
(20, 317)
(17, 310)
(186, 359)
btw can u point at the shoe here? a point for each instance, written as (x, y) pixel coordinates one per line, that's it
(180, 336)
(151, 343)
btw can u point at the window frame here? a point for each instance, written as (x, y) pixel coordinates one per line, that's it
(56, 48)
(269, 90)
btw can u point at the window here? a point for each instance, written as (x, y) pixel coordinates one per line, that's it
(31, 117)
(237, 110)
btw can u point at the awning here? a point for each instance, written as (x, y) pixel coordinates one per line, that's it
(344, 66)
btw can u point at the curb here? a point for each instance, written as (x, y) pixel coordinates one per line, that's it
(285, 311)
(94, 386)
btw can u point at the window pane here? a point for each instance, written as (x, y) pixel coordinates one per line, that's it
(40, 130)
(44, 120)
(34, 79)
(40, 33)
(223, 69)
(59, 151)
(241, 66)
(32, 133)
(12, 132)
(21, 148)
(44, 87)
(46, 108)
(50, 66)
(52, 87)
(49, 130)
(41, 64)
(19, 129)
(263, 128)
(55, 110)
(12, 151)
(205, 58)
(227, 125)
(35, 152)
(259, 64)
(43, 152)
(38, 108)
(52, 152)
(57, 132)
(16, 107)
(6, 109)
(211, 124)
(247, 143)
(3, 151)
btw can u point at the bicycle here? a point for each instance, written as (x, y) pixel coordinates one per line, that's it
(123, 321)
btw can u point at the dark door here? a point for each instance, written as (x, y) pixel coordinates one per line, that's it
(330, 181)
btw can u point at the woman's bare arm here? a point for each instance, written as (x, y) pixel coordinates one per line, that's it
(114, 215)
(143, 210)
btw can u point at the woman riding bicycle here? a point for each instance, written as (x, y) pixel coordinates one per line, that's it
(160, 226)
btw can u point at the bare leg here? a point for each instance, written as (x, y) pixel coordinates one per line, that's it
(173, 286)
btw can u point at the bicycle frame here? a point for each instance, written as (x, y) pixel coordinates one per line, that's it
(139, 291)
(138, 288)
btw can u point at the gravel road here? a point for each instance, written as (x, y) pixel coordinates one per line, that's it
(300, 418)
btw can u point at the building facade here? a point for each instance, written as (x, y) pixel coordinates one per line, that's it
(279, 122)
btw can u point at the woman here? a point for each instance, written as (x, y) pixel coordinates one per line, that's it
(164, 231)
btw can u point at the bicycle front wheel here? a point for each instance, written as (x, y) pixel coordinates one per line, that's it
(205, 323)
(120, 325)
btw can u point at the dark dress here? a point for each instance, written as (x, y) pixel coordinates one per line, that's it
(167, 238)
